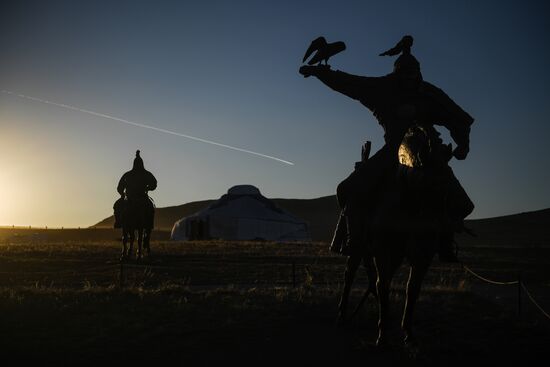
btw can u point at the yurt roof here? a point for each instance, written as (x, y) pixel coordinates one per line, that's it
(246, 201)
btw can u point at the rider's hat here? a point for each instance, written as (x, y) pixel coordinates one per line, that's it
(138, 162)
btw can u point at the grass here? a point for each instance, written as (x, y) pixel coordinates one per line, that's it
(175, 324)
(207, 303)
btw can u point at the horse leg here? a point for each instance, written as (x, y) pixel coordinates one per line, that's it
(124, 244)
(386, 265)
(368, 263)
(371, 274)
(140, 243)
(419, 268)
(132, 239)
(349, 275)
(147, 241)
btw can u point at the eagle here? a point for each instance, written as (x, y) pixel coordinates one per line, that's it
(324, 50)
(403, 46)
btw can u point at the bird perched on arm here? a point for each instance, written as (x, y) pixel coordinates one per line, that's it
(324, 50)
(403, 46)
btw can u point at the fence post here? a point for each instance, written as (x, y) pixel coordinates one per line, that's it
(293, 274)
(519, 294)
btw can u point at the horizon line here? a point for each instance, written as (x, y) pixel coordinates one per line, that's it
(60, 227)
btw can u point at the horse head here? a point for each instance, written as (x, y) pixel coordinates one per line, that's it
(423, 175)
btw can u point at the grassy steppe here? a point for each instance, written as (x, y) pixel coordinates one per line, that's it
(206, 303)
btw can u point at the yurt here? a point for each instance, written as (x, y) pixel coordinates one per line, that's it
(241, 214)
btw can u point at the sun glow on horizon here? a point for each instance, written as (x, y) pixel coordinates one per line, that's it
(34, 190)
(12, 198)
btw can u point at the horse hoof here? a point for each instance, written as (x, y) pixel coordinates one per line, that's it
(382, 344)
(412, 349)
(341, 321)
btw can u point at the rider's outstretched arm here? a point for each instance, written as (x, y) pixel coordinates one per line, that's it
(361, 88)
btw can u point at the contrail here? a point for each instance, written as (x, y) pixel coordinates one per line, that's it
(146, 126)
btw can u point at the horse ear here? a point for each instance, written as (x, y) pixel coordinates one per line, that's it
(137, 153)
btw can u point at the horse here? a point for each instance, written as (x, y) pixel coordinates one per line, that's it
(408, 221)
(136, 214)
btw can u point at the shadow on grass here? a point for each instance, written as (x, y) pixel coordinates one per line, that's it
(171, 323)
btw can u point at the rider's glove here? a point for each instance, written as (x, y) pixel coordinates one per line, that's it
(461, 152)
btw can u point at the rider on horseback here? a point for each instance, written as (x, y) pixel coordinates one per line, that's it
(134, 185)
(398, 100)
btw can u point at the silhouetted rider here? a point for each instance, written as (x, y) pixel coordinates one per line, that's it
(398, 100)
(136, 183)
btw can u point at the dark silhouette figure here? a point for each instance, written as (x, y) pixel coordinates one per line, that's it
(403, 46)
(136, 210)
(324, 50)
(397, 100)
(403, 201)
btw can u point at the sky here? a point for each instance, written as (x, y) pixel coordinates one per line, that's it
(227, 71)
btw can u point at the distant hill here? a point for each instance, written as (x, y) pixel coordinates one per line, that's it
(165, 217)
(321, 214)
(524, 229)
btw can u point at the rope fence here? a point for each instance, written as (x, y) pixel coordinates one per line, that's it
(534, 302)
(520, 285)
(488, 280)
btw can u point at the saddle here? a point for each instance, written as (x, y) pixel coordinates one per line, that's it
(135, 212)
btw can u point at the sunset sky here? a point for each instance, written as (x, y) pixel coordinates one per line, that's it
(227, 71)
